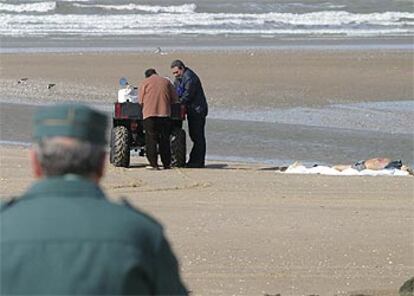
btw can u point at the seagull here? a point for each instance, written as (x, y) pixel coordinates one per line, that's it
(158, 50)
(22, 80)
(50, 85)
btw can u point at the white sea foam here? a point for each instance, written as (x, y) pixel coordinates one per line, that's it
(28, 7)
(185, 8)
(316, 23)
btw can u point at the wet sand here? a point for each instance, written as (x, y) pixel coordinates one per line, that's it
(244, 82)
(246, 230)
(272, 143)
(244, 78)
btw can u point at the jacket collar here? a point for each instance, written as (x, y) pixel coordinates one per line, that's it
(66, 186)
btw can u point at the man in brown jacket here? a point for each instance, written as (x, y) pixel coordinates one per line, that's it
(156, 94)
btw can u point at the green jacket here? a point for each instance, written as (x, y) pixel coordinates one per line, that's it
(64, 237)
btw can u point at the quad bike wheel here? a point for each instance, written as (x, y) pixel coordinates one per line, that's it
(120, 152)
(178, 147)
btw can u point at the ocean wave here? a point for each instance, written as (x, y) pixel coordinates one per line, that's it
(185, 8)
(315, 23)
(28, 7)
(340, 18)
(314, 5)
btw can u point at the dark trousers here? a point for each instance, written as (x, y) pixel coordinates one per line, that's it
(196, 129)
(157, 131)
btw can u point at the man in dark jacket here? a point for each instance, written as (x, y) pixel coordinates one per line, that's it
(191, 93)
(63, 237)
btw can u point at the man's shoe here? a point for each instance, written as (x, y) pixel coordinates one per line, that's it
(195, 165)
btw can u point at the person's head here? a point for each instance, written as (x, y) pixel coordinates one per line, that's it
(149, 72)
(177, 68)
(69, 139)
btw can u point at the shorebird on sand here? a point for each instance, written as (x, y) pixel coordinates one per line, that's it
(22, 80)
(159, 51)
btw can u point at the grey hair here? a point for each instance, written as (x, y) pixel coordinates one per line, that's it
(60, 156)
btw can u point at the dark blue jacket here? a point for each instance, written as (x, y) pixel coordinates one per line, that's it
(191, 93)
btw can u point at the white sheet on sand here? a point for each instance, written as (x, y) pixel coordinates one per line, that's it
(324, 170)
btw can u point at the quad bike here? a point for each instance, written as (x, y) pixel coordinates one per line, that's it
(127, 134)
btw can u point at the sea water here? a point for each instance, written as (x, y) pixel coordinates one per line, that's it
(133, 23)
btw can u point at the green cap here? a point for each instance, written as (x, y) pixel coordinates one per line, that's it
(70, 120)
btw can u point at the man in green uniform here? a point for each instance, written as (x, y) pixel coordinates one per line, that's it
(63, 236)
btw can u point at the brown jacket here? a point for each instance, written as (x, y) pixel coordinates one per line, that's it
(156, 94)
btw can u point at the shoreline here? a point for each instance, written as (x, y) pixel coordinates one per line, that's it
(136, 44)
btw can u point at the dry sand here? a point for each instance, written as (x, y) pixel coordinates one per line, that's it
(246, 230)
(256, 78)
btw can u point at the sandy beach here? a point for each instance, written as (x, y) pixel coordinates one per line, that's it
(246, 230)
(243, 78)
(311, 82)
(303, 103)
(240, 228)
